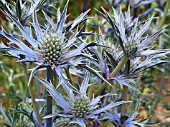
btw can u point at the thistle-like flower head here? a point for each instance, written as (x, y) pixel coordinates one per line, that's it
(52, 48)
(79, 107)
(131, 42)
(131, 39)
(130, 33)
(48, 44)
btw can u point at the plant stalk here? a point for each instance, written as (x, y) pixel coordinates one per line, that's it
(161, 23)
(68, 75)
(162, 20)
(49, 98)
(25, 70)
(160, 89)
(124, 98)
(159, 93)
(29, 89)
(119, 66)
(26, 81)
(104, 84)
(35, 107)
(114, 72)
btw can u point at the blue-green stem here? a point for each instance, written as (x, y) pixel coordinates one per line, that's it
(49, 98)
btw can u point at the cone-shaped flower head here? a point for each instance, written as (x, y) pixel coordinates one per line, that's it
(51, 48)
(80, 107)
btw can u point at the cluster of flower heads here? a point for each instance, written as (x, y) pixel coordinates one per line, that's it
(60, 45)
(131, 40)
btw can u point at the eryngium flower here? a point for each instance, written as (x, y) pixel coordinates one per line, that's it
(79, 107)
(131, 35)
(108, 57)
(50, 45)
(52, 48)
(131, 40)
